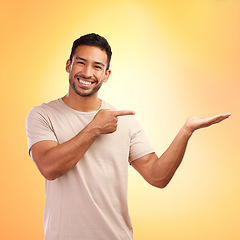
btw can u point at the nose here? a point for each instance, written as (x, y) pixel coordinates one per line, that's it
(87, 71)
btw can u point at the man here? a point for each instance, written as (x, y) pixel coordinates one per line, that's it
(82, 146)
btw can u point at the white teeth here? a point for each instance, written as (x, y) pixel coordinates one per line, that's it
(85, 82)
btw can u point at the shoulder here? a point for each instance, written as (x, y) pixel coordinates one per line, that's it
(43, 111)
(47, 107)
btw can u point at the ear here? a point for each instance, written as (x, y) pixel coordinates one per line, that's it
(68, 65)
(107, 75)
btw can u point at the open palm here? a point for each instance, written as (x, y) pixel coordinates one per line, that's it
(194, 123)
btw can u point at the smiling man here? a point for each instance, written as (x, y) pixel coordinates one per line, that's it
(80, 69)
(82, 146)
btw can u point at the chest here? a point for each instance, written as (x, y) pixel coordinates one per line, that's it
(66, 127)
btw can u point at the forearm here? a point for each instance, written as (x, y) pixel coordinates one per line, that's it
(159, 171)
(59, 159)
(54, 160)
(166, 165)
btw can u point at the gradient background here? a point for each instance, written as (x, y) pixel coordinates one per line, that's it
(171, 59)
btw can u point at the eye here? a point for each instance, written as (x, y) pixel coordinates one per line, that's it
(81, 63)
(98, 67)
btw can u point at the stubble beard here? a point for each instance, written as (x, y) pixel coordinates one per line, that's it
(83, 94)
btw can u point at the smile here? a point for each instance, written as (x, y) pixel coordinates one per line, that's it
(85, 82)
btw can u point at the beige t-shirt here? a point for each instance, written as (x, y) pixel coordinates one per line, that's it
(89, 202)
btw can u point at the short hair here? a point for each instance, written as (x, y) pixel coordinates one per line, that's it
(93, 39)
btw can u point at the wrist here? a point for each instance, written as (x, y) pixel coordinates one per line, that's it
(187, 131)
(93, 130)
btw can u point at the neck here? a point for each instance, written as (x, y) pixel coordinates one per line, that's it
(83, 104)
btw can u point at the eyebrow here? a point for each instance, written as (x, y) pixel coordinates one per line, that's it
(83, 59)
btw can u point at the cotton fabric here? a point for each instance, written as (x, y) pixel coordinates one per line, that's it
(89, 202)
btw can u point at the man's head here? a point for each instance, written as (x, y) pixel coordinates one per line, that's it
(88, 66)
(95, 40)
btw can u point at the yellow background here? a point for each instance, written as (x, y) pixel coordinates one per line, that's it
(171, 59)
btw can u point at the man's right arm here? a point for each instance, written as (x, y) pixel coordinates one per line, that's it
(54, 160)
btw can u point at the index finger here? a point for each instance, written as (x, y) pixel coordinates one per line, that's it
(123, 113)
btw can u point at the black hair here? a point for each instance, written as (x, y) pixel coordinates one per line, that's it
(93, 39)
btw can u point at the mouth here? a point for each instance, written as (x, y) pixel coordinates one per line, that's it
(84, 83)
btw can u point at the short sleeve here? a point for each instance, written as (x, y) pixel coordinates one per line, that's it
(38, 127)
(139, 144)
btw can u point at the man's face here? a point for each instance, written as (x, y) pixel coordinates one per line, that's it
(87, 71)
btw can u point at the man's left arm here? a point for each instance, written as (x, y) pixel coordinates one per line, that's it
(159, 171)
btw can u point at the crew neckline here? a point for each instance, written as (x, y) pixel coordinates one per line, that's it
(79, 112)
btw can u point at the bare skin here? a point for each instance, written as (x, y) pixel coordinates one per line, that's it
(159, 171)
(87, 72)
(54, 160)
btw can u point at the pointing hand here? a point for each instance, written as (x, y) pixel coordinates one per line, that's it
(106, 120)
